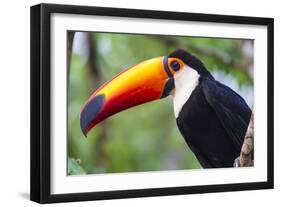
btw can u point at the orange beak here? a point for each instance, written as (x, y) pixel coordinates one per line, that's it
(147, 81)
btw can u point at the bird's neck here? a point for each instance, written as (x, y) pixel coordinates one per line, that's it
(185, 82)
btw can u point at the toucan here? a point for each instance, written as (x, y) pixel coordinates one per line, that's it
(211, 117)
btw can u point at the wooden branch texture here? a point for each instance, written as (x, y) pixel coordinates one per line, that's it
(246, 156)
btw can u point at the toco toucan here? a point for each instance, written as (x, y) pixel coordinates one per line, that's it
(211, 117)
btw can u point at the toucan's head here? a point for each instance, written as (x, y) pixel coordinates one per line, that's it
(147, 81)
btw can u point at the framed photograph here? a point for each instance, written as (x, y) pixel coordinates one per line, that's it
(133, 103)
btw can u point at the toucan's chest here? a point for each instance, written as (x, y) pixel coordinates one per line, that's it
(204, 133)
(197, 118)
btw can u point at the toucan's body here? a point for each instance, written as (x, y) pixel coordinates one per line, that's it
(211, 117)
(213, 122)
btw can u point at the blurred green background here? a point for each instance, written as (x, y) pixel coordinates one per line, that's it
(143, 138)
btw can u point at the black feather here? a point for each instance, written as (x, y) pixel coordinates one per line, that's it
(213, 122)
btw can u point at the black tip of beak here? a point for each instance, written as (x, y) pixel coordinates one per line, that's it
(90, 112)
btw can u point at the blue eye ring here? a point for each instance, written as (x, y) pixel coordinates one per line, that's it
(175, 65)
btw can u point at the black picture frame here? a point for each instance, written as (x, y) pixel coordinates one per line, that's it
(41, 99)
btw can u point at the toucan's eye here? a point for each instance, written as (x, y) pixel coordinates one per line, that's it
(175, 65)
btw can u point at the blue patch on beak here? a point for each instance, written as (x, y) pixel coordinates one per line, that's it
(90, 111)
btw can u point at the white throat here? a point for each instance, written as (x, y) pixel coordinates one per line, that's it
(186, 81)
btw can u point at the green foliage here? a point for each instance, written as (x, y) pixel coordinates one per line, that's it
(74, 168)
(143, 138)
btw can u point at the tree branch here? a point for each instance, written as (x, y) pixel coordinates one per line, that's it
(70, 36)
(246, 155)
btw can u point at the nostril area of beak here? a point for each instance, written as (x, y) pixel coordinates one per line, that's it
(90, 112)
